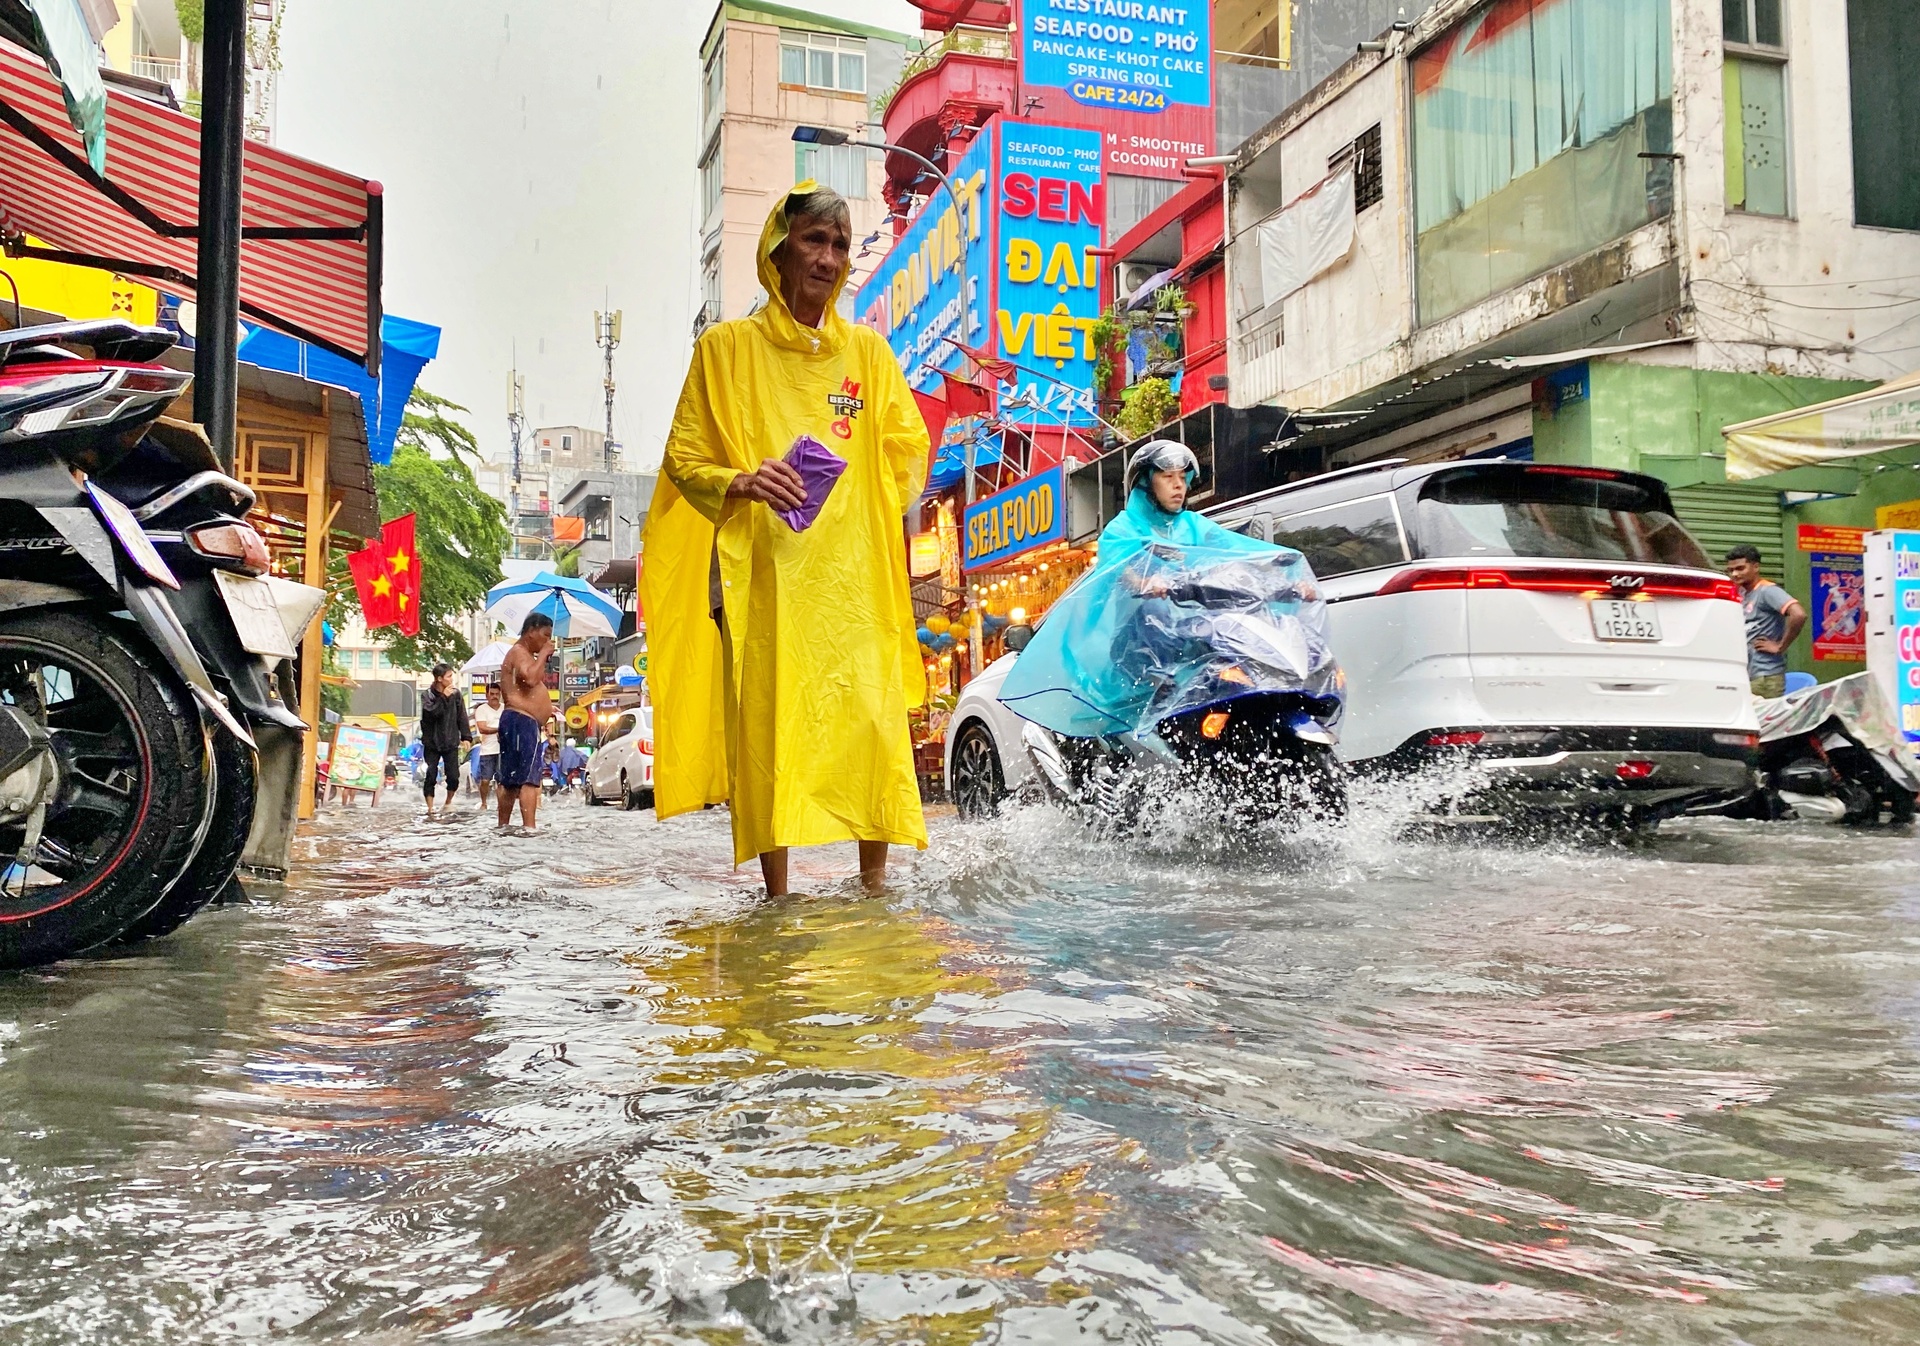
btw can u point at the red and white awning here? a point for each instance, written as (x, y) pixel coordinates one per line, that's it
(310, 249)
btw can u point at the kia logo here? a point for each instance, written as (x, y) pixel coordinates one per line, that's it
(1627, 582)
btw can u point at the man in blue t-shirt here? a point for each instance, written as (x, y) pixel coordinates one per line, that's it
(1774, 619)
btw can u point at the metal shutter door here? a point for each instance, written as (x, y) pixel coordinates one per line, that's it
(1722, 517)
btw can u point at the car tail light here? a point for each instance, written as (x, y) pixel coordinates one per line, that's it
(1636, 769)
(646, 746)
(234, 542)
(1469, 738)
(1597, 583)
(1214, 725)
(1738, 740)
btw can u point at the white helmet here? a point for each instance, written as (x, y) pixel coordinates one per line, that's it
(1161, 455)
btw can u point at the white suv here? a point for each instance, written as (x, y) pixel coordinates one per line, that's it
(1556, 626)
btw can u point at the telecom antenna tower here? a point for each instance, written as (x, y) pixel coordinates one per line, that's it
(606, 335)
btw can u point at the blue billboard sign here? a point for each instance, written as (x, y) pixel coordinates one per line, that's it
(1050, 213)
(914, 296)
(1906, 630)
(1009, 523)
(1120, 55)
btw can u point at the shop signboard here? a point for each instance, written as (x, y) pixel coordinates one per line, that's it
(1014, 521)
(1906, 514)
(1139, 74)
(358, 758)
(1893, 621)
(1032, 286)
(577, 682)
(1050, 213)
(914, 298)
(1839, 606)
(1831, 538)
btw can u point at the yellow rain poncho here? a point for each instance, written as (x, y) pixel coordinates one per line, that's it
(806, 732)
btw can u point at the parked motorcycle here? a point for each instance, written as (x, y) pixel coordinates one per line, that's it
(1834, 753)
(1247, 704)
(146, 723)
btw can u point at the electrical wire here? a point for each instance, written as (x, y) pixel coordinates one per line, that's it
(1760, 292)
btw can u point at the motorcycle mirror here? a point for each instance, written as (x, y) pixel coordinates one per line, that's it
(1018, 636)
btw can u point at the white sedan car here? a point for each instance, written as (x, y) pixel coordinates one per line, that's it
(621, 768)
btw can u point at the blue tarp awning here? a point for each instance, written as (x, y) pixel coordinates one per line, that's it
(406, 347)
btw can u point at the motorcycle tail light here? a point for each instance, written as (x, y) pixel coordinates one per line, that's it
(234, 542)
(1637, 769)
(1214, 725)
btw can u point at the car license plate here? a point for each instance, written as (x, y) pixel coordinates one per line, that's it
(1624, 619)
(255, 615)
(139, 547)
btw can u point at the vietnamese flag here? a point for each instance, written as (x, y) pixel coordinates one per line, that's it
(374, 585)
(403, 567)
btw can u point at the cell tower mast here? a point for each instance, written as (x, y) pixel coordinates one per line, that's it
(606, 335)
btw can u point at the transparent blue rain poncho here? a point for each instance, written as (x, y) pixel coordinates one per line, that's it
(1176, 614)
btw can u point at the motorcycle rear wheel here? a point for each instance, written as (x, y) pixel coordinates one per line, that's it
(235, 776)
(124, 816)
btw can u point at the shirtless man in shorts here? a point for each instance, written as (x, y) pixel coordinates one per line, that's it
(523, 721)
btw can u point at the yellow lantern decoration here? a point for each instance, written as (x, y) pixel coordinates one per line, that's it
(938, 624)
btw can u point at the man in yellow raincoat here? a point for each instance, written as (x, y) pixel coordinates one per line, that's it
(783, 663)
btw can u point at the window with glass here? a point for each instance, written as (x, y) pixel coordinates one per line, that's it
(1544, 511)
(823, 61)
(1883, 47)
(710, 182)
(713, 87)
(841, 167)
(1530, 122)
(1754, 79)
(1340, 539)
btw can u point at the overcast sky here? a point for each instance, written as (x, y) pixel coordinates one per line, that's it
(539, 163)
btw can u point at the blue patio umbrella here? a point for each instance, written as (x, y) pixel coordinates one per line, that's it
(576, 607)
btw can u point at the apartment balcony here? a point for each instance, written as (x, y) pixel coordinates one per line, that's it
(949, 86)
(165, 69)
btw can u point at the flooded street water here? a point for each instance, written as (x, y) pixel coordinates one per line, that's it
(589, 1088)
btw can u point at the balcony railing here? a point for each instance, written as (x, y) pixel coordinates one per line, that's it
(163, 68)
(994, 43)
(708, 315)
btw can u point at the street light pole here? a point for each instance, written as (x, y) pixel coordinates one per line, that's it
(827, 135)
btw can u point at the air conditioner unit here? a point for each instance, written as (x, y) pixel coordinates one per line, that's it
(1135, 274)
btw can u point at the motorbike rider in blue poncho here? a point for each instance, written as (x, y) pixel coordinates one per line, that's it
(1176, 613)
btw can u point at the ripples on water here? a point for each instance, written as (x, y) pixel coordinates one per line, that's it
(1353, 1088)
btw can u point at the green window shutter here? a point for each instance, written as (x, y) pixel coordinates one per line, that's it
(1722, 517)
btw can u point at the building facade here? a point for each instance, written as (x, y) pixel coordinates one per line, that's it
(765, 70)
(1588, 232)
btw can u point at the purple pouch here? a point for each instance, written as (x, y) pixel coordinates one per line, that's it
(819, 467)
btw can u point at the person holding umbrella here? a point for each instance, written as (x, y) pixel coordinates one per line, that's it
(781, 635)
(548, 607)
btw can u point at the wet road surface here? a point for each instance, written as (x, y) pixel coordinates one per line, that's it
(589, 1088)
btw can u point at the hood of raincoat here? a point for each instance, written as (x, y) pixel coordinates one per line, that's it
(778, 320)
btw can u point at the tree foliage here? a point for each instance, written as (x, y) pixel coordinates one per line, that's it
(460, 530)
(193, 19)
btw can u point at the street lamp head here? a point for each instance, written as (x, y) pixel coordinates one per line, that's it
(820, 135)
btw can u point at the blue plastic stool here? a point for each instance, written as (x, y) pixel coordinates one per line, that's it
(1801, 682)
